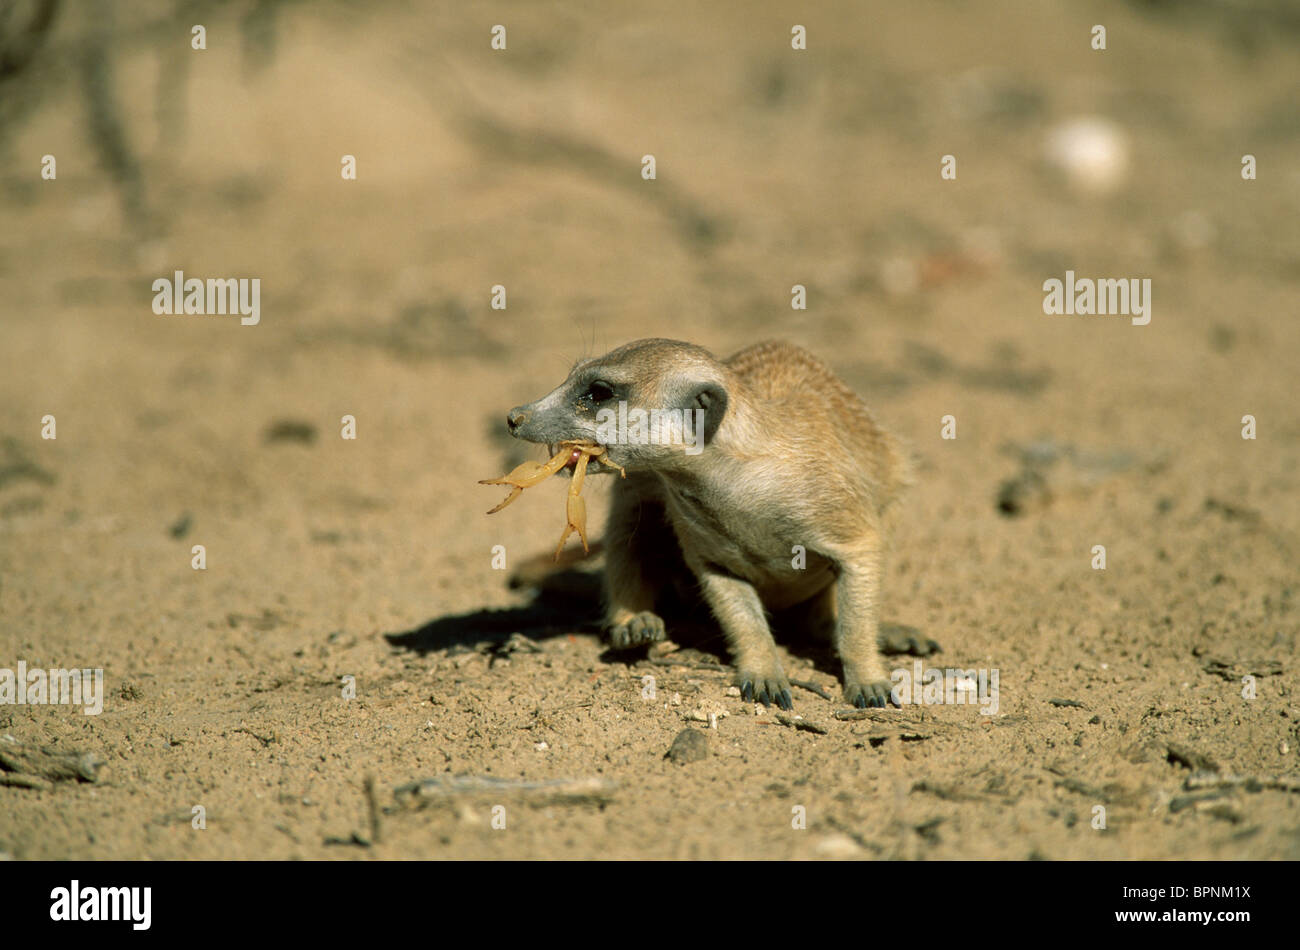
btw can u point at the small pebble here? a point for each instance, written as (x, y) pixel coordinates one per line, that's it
(837, 847)
(689, 746)
(1090, 152)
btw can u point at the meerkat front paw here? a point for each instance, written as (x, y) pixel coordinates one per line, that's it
(868, 695)
(637, 630)
(770, 690)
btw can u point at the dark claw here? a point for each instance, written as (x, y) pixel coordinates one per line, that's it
(641, 629)
(871, 696)
(765, 691)
(870, 699)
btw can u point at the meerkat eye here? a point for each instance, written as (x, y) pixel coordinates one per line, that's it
(600, 391)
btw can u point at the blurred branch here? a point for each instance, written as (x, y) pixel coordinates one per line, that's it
(258, 34)
(107, 133)
(17, 47)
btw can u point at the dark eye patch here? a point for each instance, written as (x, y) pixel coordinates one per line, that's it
(596, 391)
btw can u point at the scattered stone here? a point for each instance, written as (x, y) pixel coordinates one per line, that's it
(1090, 152)
(662, 649)
(689, 746)
(837, 847)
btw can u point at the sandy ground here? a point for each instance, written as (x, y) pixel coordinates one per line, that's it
(371, 558)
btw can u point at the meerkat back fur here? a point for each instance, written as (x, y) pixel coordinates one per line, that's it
(788, 459)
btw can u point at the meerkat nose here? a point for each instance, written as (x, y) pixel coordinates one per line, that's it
(516, 417)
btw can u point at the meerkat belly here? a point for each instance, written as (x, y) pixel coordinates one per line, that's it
(767, 551)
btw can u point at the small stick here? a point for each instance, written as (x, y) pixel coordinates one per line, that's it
(372, 806)
(265, 740)
(1251, 783)
(798, 722)
(811, 687)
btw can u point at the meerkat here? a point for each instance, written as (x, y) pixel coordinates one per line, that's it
(787, 499)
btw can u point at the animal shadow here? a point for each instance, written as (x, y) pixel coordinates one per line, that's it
(568, 603)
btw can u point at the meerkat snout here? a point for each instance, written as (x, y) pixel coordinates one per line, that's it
(515, 418)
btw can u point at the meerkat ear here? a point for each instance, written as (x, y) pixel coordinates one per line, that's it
(711, 400)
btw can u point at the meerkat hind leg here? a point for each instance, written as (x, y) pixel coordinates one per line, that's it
(900, 638)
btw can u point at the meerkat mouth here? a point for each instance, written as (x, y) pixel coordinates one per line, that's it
(553, 447)
(571, 464)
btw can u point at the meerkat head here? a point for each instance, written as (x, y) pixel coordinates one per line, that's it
(649, 402)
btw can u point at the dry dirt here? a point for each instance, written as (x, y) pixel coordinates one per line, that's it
(372, 558)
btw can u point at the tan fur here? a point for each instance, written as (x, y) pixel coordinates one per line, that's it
(796, 460)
